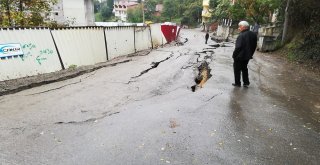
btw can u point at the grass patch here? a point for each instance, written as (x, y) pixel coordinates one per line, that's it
(72, 66)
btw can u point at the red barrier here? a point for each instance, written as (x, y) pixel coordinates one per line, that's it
(169, 32)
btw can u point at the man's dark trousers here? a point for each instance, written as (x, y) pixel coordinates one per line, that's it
(238, 67)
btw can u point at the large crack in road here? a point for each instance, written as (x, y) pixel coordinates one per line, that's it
(91, 120)
(153, 66)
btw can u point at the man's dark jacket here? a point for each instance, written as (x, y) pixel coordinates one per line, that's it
(246, 44)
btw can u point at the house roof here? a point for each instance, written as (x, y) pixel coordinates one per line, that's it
(125, 3)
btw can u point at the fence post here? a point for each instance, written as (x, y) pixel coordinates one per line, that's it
(105, 42)
(150, 37)
(134, 38)
(55, 45)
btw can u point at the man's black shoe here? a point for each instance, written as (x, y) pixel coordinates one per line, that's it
(236, 85)
(246, 85)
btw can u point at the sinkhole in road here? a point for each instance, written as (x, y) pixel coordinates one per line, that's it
(203, 75)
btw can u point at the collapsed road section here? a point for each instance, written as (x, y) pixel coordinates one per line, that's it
(204, 71)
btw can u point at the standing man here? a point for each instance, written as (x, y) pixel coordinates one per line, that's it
(245, 47)
(256, 28)
(207, 37)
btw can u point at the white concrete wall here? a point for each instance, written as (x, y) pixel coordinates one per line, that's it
(89, 9)
(157, 35)
(77, 46)
(142, 38)
(223, 31)
(120, 41)
(39, 53)
(81, 46)
(74, 12)
(57, 13)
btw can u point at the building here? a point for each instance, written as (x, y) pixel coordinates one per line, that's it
(73, 12)
(206, 15)
(120, 8)
(159, 9)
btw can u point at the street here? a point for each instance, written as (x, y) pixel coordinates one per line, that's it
(148, 110)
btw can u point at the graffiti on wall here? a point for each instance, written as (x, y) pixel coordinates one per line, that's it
(27, 48)
(40, 56)
(43, 55)
(24, 51)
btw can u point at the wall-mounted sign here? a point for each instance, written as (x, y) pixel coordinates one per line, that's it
(9, 50)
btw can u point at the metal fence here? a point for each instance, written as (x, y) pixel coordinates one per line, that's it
(26, 52)
(32, 51)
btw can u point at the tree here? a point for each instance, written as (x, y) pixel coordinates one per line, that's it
(188, 12)
(259, 10)
(221, 10)
(213, 4)
(237, 12)
(302, 32)
(103, 10)
(135, 14)
(110, 3)
(25, 12)
(169, 8)
(106, 11)
(192, 13)
(96, 6)
(251, 10)
(150, 8)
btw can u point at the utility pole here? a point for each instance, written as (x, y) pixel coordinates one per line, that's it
(142, 4)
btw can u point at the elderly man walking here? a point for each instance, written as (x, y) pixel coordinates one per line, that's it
(245, 47)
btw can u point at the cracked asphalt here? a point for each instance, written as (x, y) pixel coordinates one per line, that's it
(144, 111)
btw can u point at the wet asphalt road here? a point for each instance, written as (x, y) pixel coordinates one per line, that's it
(144, 112)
